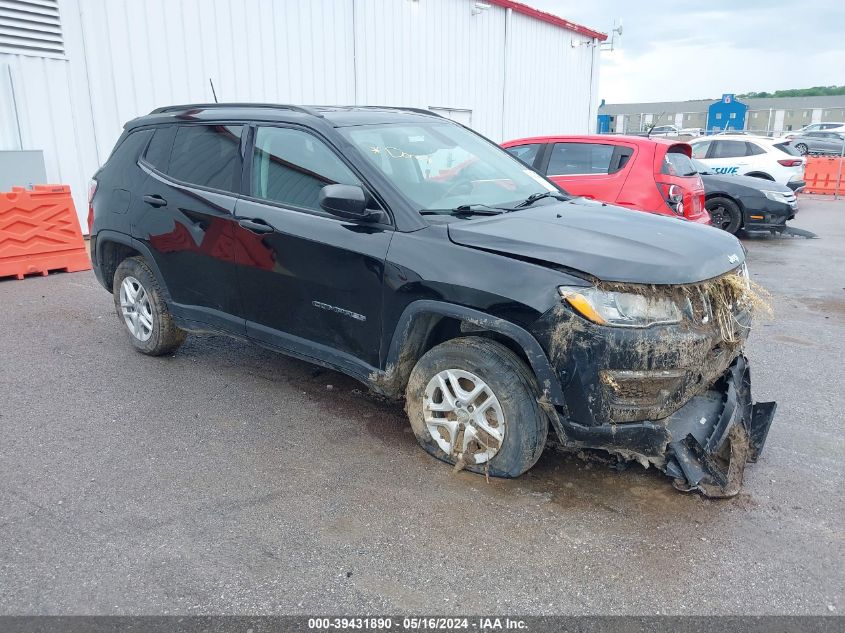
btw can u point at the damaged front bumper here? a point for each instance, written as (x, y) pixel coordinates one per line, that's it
(703, 446)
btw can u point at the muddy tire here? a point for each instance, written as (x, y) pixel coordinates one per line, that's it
(141, 308)
(725, 213)
(473, 403)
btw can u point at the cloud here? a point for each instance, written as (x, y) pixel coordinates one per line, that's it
(674, 50)
(667, 72)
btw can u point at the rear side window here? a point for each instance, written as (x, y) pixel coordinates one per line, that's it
(126, 155)
(699, 150)
(787, 149)
(158, 151)
(580, 158)
(753, 150)
(728, 149)
(207, 155)
(525, 153)
(677, 164)
(291, 167)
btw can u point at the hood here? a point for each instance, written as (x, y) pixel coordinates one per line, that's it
(729, 182)
(607, 242)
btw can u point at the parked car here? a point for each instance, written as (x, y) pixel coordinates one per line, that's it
(664, 130)
(743, 202)
(640, 173)
(830, 143)
(755, 156)
(498, 307)
(692, 131)
(830, 126)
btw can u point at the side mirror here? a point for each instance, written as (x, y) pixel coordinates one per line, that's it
(348, 201)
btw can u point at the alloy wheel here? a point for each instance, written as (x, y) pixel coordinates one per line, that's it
(464, 416)
(136, 308)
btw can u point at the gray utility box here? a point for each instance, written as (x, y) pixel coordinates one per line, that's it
(22, 168)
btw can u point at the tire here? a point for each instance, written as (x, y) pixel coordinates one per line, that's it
(147, 319)
(724, 213)
(801, 147)
(519, 419)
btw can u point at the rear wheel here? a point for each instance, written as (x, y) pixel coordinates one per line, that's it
(472, 402)
(140, 305)
(725, 214)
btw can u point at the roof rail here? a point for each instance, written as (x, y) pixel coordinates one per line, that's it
(402, 108)
(207, 106)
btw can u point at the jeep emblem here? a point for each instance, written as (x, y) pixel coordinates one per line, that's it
(733, 259)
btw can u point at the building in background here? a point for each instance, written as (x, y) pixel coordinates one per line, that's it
(73, 71)
(770, 116)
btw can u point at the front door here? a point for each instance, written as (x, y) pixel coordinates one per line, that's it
(310, 282)
(194, 172)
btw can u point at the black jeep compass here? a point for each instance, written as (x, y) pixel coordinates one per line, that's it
(415, 255)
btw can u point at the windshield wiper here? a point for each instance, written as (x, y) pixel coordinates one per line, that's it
(539, 196)
(464, 209)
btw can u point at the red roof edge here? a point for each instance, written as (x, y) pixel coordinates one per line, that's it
(548, 17)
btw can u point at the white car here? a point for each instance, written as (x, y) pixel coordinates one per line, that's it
(664, 130)
(828, 126)
(758, 156)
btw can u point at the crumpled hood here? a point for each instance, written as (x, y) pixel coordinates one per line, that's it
(607, 242)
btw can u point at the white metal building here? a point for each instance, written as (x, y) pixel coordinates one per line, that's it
(73, 71)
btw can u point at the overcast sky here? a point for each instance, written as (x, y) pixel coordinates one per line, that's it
(697, 49)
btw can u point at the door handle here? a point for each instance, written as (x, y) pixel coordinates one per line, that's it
(155, 200)
(256, 226)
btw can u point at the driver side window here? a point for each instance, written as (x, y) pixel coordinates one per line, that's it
(291, 167)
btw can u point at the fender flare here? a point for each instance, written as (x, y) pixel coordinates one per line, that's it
(405, 347)
(760, 174)
(106, 235)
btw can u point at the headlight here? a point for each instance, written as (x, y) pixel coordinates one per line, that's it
(777, 196)
(621, 309)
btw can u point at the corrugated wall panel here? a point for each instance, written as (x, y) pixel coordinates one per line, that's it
(125, 58)
(432, 53)
(549, 85)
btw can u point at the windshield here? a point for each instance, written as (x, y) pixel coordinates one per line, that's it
(440, 166)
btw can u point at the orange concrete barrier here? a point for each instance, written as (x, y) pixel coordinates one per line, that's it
(822, 175)
(39, 232)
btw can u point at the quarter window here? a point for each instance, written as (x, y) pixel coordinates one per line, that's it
(158, 151)
(580, 158)
(753, 150)
(207, 155)
(525, 153)
(291, 167)
(699, 150)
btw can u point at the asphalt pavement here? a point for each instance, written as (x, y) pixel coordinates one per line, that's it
(229, 479)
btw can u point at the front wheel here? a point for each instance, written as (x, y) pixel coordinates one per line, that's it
(140, 305)
(801, 147)
(725, 214)
(472, 402)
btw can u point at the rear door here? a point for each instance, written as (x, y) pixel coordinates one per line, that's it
(589, 169)
(727, 156)
(188, 224)
(310, 282)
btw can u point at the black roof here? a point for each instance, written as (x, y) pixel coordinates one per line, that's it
(336, 116)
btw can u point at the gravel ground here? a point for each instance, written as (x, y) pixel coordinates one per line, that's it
(228, 479)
